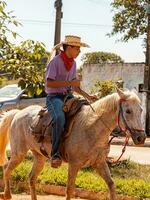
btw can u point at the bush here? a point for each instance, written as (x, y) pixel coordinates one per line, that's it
(103, 88)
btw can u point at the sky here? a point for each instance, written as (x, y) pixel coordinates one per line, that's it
(89, 19)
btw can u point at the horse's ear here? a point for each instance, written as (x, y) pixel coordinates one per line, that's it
(135, 90)
(121, 93)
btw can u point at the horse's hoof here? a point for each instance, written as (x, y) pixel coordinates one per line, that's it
(2, 197)
(7, 198)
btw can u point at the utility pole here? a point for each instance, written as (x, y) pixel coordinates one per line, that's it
(147, 75)
(59, 15)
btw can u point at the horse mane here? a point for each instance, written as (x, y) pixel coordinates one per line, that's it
(110, 101)
(105, 104)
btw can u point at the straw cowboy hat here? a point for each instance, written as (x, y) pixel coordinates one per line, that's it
(72, 41)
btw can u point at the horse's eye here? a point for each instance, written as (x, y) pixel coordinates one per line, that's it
(128, 111)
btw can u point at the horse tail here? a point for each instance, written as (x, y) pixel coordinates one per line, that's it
(5, 122)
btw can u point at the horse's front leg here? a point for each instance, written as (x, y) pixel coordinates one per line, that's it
(72, 173)
(103, 170)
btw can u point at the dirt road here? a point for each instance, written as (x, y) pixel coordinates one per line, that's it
(52, 197)
(40, 197)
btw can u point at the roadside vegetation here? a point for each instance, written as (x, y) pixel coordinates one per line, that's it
(131, 179)
(103, 88)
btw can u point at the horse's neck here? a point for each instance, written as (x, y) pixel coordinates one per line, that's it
(106, 117)
(108, 103)
(108, 120)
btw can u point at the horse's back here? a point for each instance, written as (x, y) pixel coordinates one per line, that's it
(28, 112)
(20, 126)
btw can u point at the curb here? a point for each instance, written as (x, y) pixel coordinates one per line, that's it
(61, 191)
(121, 141)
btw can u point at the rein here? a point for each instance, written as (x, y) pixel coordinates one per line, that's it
(124, 130)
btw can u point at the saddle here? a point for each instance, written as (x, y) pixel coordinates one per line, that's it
(41, 125)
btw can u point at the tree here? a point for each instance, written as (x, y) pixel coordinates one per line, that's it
(129, 18)
(6, 19)
(100, 57)
(27, 62)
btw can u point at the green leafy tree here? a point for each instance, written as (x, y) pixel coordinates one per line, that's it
(6, 20)
(100, 57)
(27, 63)
(129, 18)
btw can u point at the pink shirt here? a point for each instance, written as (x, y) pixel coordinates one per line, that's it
(56, 70)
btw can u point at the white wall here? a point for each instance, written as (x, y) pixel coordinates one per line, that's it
(132, 75)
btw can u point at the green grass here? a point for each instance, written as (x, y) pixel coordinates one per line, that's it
(127, 169)
(131, 179)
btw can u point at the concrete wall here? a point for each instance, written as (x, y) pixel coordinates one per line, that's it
(131, 73)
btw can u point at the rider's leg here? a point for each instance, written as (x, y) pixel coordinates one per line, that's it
(55, 107)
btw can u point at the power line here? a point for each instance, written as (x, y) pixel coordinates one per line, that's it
(99, 2)
(96, 1)
(29, 21)
(82, 24)
(44, 22)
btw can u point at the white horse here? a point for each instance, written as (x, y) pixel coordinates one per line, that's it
(87, 145)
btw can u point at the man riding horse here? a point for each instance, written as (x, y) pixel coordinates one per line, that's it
(61, 81)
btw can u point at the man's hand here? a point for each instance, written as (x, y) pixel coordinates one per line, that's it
(85, 95)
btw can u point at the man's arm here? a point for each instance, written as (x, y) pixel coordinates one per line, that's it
(74, 83)
(53, 83)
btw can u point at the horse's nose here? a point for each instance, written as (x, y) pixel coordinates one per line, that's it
(141, 139)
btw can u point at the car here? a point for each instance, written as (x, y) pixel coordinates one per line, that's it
(12, 96)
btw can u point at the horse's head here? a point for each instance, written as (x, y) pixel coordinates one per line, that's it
(129, 117)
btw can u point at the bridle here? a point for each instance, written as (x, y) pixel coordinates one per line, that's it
(121, 114)
(124, 130)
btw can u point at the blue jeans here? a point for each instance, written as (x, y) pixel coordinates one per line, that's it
(55, 103)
